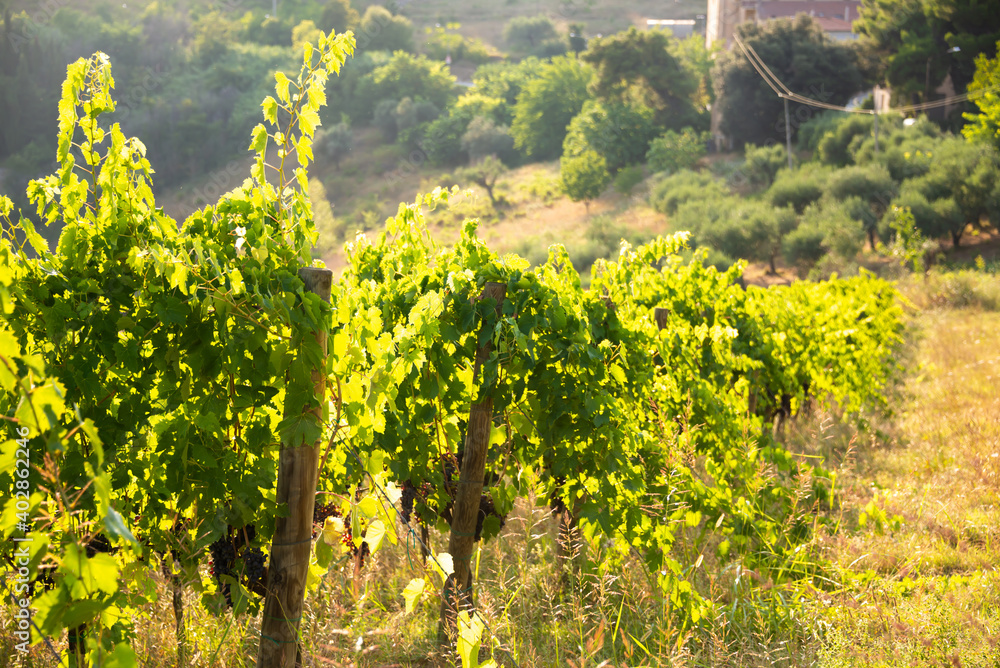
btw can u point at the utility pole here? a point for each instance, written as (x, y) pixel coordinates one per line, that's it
(788, 135)
(875, 114)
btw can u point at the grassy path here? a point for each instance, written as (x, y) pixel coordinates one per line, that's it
(920, 539)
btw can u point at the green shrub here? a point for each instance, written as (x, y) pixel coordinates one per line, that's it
(584, 177)
(748, 230)
(404, 75)
(843, 233)
(618, 131)
(534, 36)
(804, 245)
(670, 192)
(627, 179)
(442, 42)
(762, 163)
(543, 187)
(674, 151)
(963, 289)
(442, 141)
(797, 189)
(934, 219)
(338, 15)
(812, 131)
(921, 136)
(693, 214)
(504, 81)
(834, 146)
(384, 118)
(867, 191)
(380, 30)
(334, 142)
(483, 137)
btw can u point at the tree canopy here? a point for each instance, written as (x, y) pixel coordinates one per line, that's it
(546, 106)
(585, 176)
(534, 35)
(802, 56)
(618, 131)
(917, 43)
(380, 30)
(639, 66)
(986, 124)
(406, 75)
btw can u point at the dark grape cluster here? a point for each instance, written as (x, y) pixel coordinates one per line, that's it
(347, 538)
(99, 543)
(254, 568)
(556, 502)
(44, 577)
(361, 553)
(451, 464)
(321, 511)
(406, 500)
(223, 553)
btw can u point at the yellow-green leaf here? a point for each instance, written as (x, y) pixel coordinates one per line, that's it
(374, 535)
(413, 592)
(281, 87)
(270, 106)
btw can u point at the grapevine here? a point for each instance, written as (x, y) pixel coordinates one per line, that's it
(162, 367)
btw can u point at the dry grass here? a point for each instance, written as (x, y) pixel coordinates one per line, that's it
(920, 580)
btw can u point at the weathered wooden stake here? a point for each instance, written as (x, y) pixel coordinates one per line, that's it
(298, 471)
(465, 512)
(661, 315)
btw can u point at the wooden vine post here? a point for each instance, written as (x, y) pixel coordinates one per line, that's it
(298, 472)
(661, 315)
(465, 512)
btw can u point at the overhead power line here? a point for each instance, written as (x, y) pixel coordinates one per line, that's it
(775, 83)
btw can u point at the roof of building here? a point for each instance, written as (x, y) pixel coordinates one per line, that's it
(818, 9)
(670, 22)
(833, 24)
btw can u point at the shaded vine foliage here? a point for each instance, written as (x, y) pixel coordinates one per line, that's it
(644, 433)
(184, 349)
(175, 360)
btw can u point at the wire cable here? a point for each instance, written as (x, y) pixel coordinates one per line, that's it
(771, 79)
(756, 67)
(764, 65)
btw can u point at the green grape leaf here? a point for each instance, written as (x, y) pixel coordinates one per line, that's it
(374, 535)
(270, 107)
(281, 86)
(116, 527)
(470, 634)
(412, 593)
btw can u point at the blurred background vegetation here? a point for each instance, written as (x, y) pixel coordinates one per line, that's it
(567, 120)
